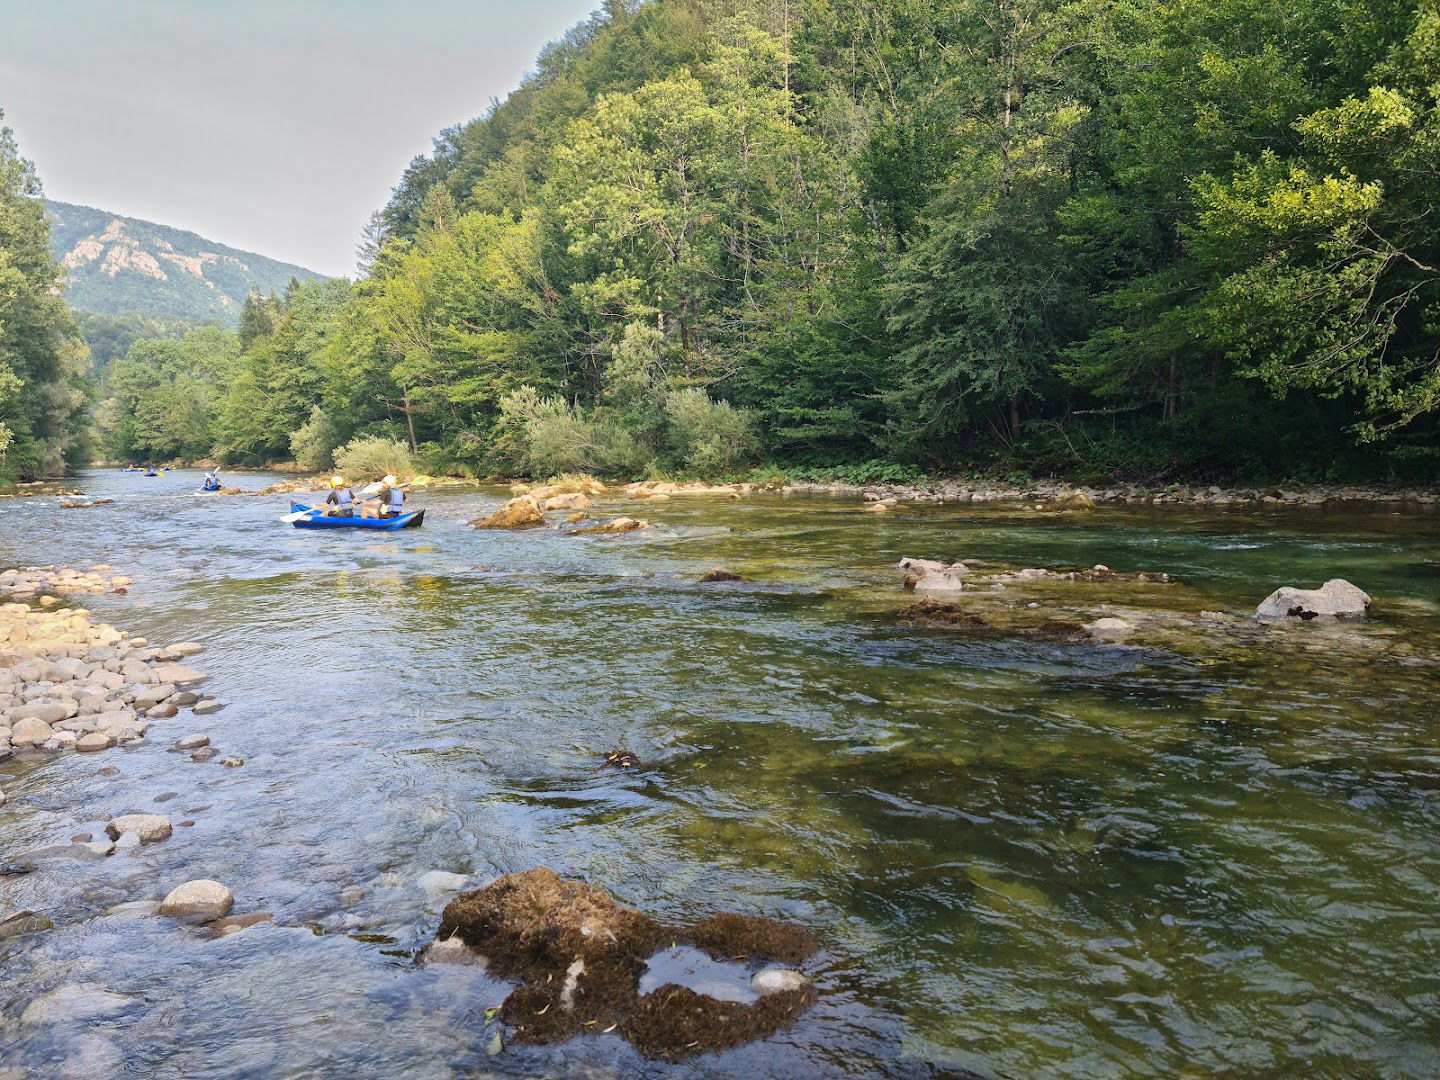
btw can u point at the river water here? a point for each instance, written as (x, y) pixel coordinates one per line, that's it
(1023, 858)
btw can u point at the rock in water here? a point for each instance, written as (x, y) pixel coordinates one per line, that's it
(23, 922)
(1337, 598)
(775, 980)
(720, 574)
(522, 512)
(932, 575)
(203, 897)
(150, 828)
(73, 1002)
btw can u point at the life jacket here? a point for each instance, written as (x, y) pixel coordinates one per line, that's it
(397, 500)
(344, 497)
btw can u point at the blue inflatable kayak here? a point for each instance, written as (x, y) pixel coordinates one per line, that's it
(313, 519)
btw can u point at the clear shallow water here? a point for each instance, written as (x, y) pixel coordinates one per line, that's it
(1023, 858)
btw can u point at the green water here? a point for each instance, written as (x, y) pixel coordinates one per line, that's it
(1212, 852)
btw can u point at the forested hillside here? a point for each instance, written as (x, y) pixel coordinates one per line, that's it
(1100, 237)
(42, 395)
(124, 266)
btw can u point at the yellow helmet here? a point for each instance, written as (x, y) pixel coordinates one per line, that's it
(336, 481)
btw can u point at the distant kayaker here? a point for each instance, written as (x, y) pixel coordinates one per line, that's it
(340, 502)
(212, 481)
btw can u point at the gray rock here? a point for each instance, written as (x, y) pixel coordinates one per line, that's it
(1337, 598)
(184, 697)
(192, 742)
(161, 712)
(49, 712)
(206, 706)
(151, 828)
(177, 673)
(134, 909)
(203, 897)
(204, 754)
(153, 695)
(94, 742)
(74, 1002)
(30, 731)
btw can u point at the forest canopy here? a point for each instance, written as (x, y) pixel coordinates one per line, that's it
(1099, 237)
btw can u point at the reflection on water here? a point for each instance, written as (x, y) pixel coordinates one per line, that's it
(1024, 858)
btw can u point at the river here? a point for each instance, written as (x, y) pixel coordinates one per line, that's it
(1023, 858)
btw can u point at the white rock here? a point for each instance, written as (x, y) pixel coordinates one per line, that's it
(438, 884)
(1336, 598)
(1110, 628)
(176, 673)
(30, 732)
(775, 980)
(202, 897)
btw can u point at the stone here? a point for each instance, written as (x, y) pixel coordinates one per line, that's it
(185, 648)
(522, 512)
(619, 525)
(153, 695)
(1073, 500)
(1337, 598)
(438, 884)
(202, 897)
(450, 950)
(134, 908)
(232, 762)
(932, 575)
(233, 924)
(206, 706)
(204, 754)
(1110, 628)
(22, 923)
(127, 843)
(177, 673)
(47, 711)
(76, 1001)
(184, 697)
(30, 731)
(150, 828)
(161, 712)
(776, 980)
(192, 742)
(720, 574)
(94, 742)
(567, 502)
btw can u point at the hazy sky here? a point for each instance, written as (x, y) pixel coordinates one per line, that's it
(275, 126)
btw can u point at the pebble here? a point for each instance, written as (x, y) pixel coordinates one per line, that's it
(232, 762)
(201, 897)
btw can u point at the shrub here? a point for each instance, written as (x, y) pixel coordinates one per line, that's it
(373, 456)
(707, 436)
(313, 443)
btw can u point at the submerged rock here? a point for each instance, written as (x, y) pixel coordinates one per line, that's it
(76, 1001)
(24, 922)
(618, 525)
(580, 956)
(1337, 598)
(720, 574)
(777, 980)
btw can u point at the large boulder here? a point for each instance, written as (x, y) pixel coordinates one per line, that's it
(1337, 598)
(609, 528)
(522, 512)
(576, 501)
(176, 673)
(28, 731)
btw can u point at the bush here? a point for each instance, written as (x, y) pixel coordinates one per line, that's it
(373, 456)
(707, 436)
(313, 444)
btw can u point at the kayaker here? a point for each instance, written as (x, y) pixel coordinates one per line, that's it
(340, 502)
(394, 498)
(212, 481)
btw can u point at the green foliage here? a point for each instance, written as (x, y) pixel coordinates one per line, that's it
(313, 444)
(41, 355)
(1101, 238)
(370, 457)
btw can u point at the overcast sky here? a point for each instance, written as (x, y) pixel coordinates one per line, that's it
(274, 126)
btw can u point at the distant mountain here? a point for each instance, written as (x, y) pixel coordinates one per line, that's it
(118, 265)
